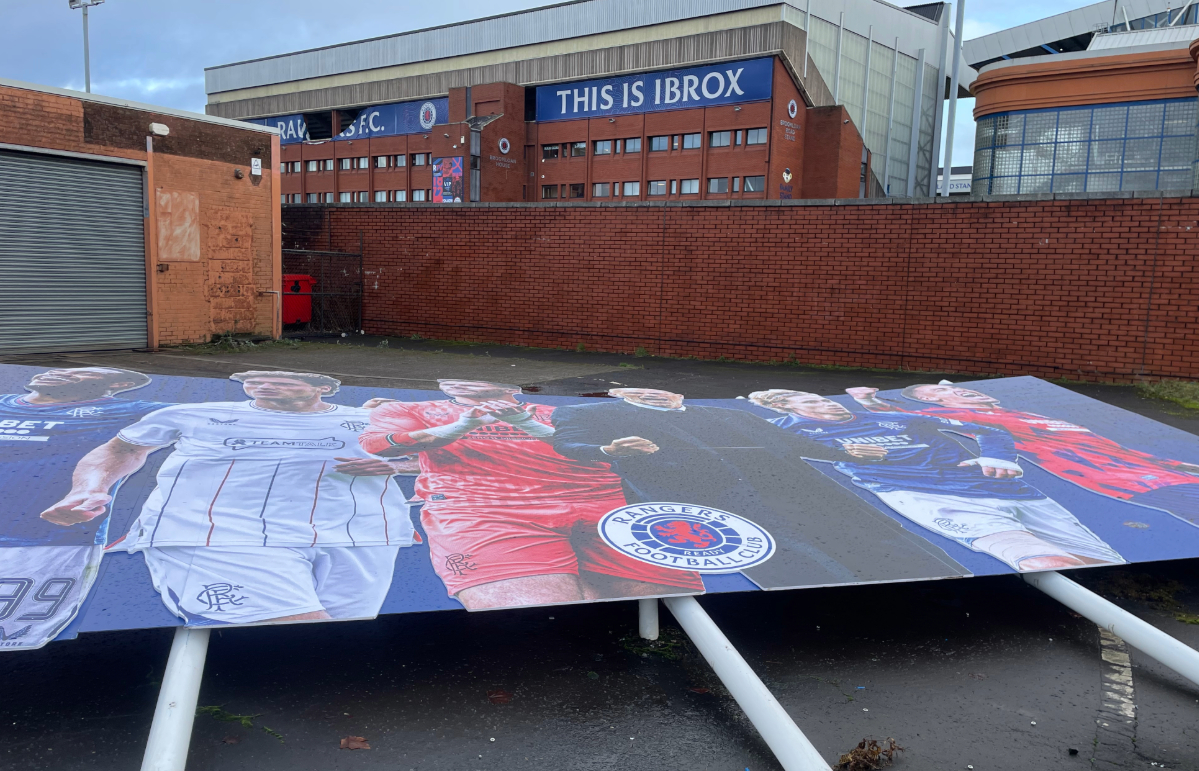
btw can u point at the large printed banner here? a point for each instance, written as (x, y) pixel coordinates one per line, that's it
(130, 501)
(386, 120)
(717, 84)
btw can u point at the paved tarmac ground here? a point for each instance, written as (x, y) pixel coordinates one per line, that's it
(956, 671)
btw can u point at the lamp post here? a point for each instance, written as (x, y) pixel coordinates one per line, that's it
(87, 65)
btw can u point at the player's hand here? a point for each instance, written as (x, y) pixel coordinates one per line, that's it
(77, 507)
(865, 451)
(1187, 468)
(365, 467)
(994, 472)
(629, 446)
(506, 410)
(370, 404)
(861, 393)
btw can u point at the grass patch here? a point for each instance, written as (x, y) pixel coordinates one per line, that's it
(1158, 593)
(670, 645)
(218, 712)
(1184, 393)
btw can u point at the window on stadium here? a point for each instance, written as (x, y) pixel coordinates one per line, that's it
(719, 138)
(400, 195)
(603, 146)
(346, 164)
(297, 198)
(600, 190)
(674, 186)
(364, 163)
(400, 161)
(692, 141)
(755, 136)
(737, 141)
(736, 184)
(419, 195)
(295, 167)
(283, 199)
(659, 144)
(314, 198)
(362, 196)
(578, 189)
(549, 191)
(344, 197)
(632, 188)
(633, 145)
(549, 152)
(755, 184)
(718, 185)
(418, 159)
(380, 196)
(657, 187)
(689, 187)
(578, 149)
(675, 142)
(382, 161)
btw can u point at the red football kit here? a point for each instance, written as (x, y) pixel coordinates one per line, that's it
(1075, 453)
(502, 504)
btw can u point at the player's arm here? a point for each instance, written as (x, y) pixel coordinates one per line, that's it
(868, 398)
(581, 435)
(94, 476)
(394, 431)
(996, 448)
(786, 442)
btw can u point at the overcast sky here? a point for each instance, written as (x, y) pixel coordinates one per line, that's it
(156, 50)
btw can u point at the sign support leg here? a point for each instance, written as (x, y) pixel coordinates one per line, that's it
(1139, 634)
(647, 619)
(786, 741)
(171, 731)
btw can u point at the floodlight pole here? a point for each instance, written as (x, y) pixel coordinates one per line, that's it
(792, 749)
(87, 58)
(1139, 634)
(171, 731)
(953, 96)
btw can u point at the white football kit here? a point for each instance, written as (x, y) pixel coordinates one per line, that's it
(242, 475)
(41, 590)
(251, 522)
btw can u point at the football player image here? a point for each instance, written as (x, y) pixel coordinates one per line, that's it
(1066, 450)
(510, 521)
(47, 570)
(666, 450)
(925, 475)
(267, 510)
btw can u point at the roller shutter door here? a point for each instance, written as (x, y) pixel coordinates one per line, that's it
(72, 254)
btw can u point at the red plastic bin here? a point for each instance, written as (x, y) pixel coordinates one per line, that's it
(297, 298)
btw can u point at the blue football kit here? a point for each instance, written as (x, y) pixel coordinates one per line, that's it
(40, 444)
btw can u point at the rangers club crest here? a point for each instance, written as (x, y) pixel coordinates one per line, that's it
(786, 175)
(505, 145)
(428, 115)
(792, 108)
(686, 537)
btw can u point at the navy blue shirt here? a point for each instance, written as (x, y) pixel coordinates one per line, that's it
(920, 456)
(39, 447)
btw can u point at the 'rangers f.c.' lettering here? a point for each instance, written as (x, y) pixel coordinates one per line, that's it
(686, 537)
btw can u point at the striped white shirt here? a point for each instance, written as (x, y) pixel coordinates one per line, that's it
(241, 475)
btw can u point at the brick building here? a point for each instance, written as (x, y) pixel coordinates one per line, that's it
(611, 100)
(92, 260)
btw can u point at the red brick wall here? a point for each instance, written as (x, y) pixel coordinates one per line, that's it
(1094, 289)
(194, 300)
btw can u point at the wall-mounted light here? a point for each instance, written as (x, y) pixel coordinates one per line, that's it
(238, 174)
(736, 109)
(159, 129)
(611, 120)
(447, 136)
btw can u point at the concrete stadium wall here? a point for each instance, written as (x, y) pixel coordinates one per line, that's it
(1079, 287)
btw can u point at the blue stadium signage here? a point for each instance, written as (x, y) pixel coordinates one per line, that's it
(729, 83)
(388, 120)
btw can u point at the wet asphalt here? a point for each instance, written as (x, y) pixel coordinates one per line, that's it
(957, 671)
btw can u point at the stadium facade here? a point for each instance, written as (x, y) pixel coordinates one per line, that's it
(1100, 99)
(613, 100)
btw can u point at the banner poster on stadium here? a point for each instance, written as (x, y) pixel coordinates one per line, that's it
(134, 501)
(447, 180)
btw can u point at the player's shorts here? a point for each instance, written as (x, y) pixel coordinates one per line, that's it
(206, 585)
(472, 545)
(41, 590)
(1180, 500)
(967, 519)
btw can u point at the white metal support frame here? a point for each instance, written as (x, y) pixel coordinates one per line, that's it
(171, 731)
(837, 61)
(953, 96)
(647, 619)
(786, 741)
(943, 44)
(866, 80)
(917, 112)
(890, 120)
(1139, 634)
(807, 33)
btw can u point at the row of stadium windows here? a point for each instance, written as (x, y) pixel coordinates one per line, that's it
(756, 184)
(365, 162)
(1099, 148)
(359, 196)
(754, 136)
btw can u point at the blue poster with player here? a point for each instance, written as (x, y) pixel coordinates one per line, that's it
(133, 501)
(447, 180)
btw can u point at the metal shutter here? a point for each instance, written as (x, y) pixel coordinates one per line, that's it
(72, 254)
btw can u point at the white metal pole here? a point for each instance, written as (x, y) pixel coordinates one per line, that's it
(87, 59)
(837, 63)
(170, 734)
(647, 619)
(807, 33)
(786, 741)
(939, 102)
(890, 120)
(953, 95)
(917, 117)
(866, 80)
(1137, 633)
